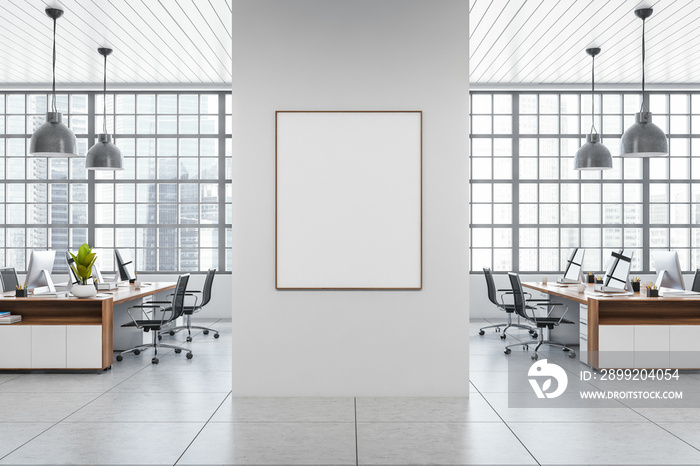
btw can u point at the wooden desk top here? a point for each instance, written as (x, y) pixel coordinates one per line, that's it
(570, 292)
(120, 295)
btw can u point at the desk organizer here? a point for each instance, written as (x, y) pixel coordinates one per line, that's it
(21, 293)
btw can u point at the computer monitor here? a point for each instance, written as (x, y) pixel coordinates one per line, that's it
(668, 270)
(10, 281)
(39, 270)
(617, 274)
(572, 274)
(125, 265)
(73, 277)
(696, 281)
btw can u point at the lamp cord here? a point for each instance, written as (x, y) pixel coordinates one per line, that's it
(593, 96)
(644, 53)
(53, 86)
(104, 99)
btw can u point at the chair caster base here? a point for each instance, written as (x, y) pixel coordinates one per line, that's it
(481, 332)
(507, 351)
(154, 361)
(189, 355)
(572, 355)
(503, 337)
(178, 351)
(172, 332)
(534, 357)
(160, 337)
(206, 332)
(216, 335)
(137, 352)
(120, 357)
(189, 339)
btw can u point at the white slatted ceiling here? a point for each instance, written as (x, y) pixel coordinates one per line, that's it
(525, 42)
(155, 41)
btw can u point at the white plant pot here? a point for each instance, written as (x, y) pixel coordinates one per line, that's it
(83, 291)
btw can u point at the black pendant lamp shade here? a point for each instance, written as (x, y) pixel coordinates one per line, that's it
(53, 138)
(643, 138)
(593, 155)
(104, 155)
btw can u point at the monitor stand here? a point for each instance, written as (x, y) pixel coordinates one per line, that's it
(659, 278)
(49, 288)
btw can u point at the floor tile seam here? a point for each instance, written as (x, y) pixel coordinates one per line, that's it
(48, 428)
(357, 442)
(203, 427)
(281, 422)
(507, 426)
(13, 378)
(66, 422)
(665, 429)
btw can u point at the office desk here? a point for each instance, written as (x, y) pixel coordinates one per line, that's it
(69, 333)
(634, 331)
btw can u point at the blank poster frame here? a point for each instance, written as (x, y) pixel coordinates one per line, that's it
(284, 285)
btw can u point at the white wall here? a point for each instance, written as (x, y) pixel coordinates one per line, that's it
(351, 55)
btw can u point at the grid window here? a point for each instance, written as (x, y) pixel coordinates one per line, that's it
(170, 206)
(526, 175)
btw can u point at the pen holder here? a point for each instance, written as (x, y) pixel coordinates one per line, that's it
(21, 293)
(652, 293)
(600, 282)
(591, 278)
(635, 287)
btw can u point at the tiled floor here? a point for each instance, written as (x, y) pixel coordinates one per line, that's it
(181, 412)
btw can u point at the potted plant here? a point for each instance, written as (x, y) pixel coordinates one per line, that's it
(82, 267)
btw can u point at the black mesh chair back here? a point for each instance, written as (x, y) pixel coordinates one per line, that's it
(518, 295)
(9, 279)
(490, 286)
(696, 281)
(206, 291)
(178, 303)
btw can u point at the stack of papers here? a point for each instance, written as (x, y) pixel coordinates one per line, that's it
(7, 318)
(671, 293)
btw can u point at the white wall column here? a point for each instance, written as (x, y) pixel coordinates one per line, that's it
(351, 55)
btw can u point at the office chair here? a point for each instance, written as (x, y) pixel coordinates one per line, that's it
(509, 309)
(169, 311)
(548, 321)
(10, 281)
(189, 310)
(696, 281)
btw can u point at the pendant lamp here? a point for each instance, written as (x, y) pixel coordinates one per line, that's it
(643, 138)
(593, 155)
(104, 155)
(53, 138)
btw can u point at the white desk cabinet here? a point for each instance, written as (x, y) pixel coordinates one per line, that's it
(48, 346)
(84, 346)
(15, 347)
